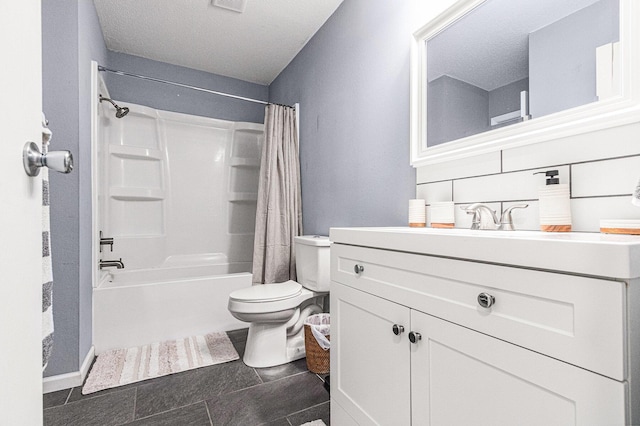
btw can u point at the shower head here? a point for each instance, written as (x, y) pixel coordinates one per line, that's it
(120, 111)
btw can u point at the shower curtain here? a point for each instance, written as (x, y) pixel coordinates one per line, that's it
(47, 275)
(279, 207)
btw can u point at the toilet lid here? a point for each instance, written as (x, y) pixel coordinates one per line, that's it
(267, 292)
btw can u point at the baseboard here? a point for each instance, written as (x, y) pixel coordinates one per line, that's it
(69, 380)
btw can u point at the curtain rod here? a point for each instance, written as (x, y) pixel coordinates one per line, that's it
(173, 83)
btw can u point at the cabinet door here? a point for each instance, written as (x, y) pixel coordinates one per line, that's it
(370, 364)
(462, 377)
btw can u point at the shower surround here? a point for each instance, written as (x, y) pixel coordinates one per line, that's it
(177, 193)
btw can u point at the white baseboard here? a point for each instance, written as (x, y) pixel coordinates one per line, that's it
(69, 380)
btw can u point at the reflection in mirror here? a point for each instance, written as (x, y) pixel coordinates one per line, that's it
(512, 60)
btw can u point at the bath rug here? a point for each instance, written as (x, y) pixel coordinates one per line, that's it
(120, 367)
(315, 423)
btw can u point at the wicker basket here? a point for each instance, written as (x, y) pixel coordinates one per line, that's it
(317, 358)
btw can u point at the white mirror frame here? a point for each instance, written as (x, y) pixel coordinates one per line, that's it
(616, 111)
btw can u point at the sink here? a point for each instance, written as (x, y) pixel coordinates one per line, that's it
(601, 255)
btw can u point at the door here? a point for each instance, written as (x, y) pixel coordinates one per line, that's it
(369, 363)
(462, 377)
(20, 216)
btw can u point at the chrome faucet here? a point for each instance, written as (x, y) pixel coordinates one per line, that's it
(485, 218)
(111, 263)
(105, 242)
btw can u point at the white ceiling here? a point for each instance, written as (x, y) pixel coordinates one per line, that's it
(253, 46)
(489, 47)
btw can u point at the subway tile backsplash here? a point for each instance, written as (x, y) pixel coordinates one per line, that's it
(607, 177)
(601, 167)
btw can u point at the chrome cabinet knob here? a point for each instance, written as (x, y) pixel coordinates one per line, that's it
(414, 337)
(398, 329)
(486, 300)
(358, 268)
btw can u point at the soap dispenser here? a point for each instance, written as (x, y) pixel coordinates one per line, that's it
(555, 204)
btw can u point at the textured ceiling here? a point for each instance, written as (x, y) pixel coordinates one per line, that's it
(489, 47)
(252, 46)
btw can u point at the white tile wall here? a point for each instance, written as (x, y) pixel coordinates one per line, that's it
(484, 164)
(438, 191)
(609, 143)
(504, 187)
(587, 212)
(609, 177)
(602, 168)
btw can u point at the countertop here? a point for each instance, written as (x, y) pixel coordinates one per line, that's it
(591, 254)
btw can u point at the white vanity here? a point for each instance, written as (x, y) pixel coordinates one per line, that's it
(460, 327)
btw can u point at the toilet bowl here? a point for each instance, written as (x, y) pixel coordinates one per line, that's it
(276, 312)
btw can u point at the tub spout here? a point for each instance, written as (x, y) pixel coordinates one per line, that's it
(111, 263)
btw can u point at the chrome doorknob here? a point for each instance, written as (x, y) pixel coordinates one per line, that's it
(398, 329)
(33, 159)
(486, 300)
(414, 337)
(358, 268)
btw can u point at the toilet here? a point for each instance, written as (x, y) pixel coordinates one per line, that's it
(276, 312)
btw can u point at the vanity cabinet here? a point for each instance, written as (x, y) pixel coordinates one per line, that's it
(412, 345)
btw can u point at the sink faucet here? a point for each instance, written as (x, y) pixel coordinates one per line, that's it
(111, 263)
(485, 218)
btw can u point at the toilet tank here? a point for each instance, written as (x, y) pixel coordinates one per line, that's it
(312, 262)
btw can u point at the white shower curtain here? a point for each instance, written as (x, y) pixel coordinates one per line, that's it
(279, 208)
(47, 276)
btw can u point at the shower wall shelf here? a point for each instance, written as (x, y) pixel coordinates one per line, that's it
(235, 197)
(135, 153)
(245, 162)
(136, 194)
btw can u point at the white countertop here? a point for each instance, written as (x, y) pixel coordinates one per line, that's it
(601, 255)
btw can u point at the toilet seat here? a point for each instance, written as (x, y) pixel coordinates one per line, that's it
(265, 298)
(267, 292)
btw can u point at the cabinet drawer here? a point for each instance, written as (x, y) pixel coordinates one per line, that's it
(576, 319)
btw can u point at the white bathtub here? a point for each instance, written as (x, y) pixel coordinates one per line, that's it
(137, 307)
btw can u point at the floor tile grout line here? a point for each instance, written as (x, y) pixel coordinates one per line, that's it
(259, 378)
(264, 383)
(88, 398)
(308, 408)
(135, 403)
(68, 396)
(208, 413)
(174, 409)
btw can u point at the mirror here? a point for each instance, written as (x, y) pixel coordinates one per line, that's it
(492, 70)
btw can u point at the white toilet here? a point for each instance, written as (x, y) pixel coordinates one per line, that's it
(276, 312)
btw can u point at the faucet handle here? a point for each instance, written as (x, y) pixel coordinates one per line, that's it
(475, 221)
(484, 217)
(506, 221)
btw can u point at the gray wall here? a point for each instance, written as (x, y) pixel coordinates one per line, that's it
(455, 110)
(61, 105)
(177, 99)
(71, 38)
(506, 98)
(458, 109)
(352, 83)
(562, 58)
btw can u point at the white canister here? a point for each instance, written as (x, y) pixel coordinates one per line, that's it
(555, 204)
(417, 213)
(442, 214)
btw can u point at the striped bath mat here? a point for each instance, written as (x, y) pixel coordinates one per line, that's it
(119, 367)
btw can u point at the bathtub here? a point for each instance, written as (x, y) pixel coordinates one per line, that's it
(137, 307)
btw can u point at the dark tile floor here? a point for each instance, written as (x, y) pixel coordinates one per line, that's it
(223, 394)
